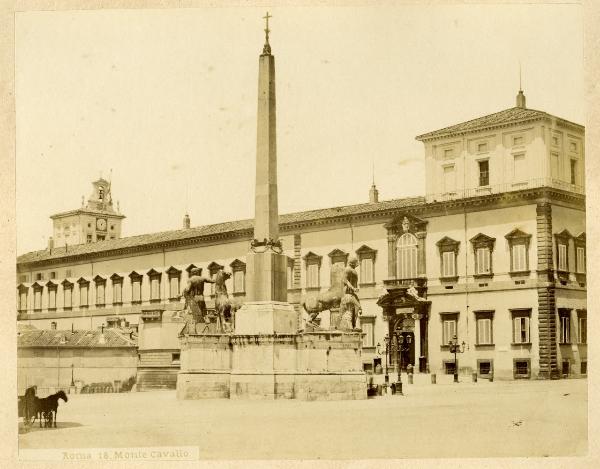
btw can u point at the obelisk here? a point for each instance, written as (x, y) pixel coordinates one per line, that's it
(266, 310)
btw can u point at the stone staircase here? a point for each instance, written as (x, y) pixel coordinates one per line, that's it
(151, 379)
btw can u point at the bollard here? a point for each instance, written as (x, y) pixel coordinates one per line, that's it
(393, 388)
(474, 377)
(433, 378)
(491, 378)
(410, 379)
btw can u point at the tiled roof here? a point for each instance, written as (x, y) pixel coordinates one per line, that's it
(508, 116)
(91, 338)
(208, 230)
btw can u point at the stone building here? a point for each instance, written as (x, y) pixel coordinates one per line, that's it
(495, 249)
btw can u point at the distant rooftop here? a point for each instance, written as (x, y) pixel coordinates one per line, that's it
(111, 337)
(513, 115)
(233, 227)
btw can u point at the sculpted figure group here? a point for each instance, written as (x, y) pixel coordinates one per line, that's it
(199, 320)
(342, 295)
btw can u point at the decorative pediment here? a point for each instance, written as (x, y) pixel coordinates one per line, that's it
(482, 240)
(406, 223)
(448, 244)
(238, 265)
(51, 285)
(517, 234)
(190, 267)
(83, 281)
(337, 255)
(173, 271)
(116, 278)
(135, 276)
(22, 288)
(213, 267)
(564, 235)
(153, 273)
(37, 286)
(66, 284)
(580, 240)
(99, 279)
(364, 249)
(312, 258)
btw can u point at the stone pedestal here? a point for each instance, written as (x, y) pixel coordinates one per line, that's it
(266, 317)
(266, 276)
(205, 367)
(323, 365)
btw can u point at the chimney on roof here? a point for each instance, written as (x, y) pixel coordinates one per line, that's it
(373, 194)
(50, 244)
(521, 100)
(186, 221)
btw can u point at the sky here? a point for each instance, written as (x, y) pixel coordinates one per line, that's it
(167, 99)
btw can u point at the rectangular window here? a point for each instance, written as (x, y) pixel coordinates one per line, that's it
(367, 328)
(136, 291)
(519, 169)
(518, 140)
(484, 330)
(118, 292)
(37, 299)
(448, 264)
(521, 368)
(448, 153)
(449, 179)
(23, 300)
(519, 257)
(22, 278)
(482, 261)
(485, 367)
(100, 237)
(580, 260)
(482, 147)
(238, 281)
(573, 171)
(52, 275)
(154, 289)
(174, 287)
(521, 329)
(366, 270)
(68, 273)
(565, 327)
(39, 276)
(573, 146)
(88, 238)
(449, 368)
(448, 330)
(582, 329)
(52, 298)
(68, 297)
(484, 173)
(562, 257)
(312, 276)
(554, 165)
(83, 294)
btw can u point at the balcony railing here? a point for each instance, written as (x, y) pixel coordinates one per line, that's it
(505, 187)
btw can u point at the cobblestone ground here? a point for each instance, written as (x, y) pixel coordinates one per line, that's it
(522, 418)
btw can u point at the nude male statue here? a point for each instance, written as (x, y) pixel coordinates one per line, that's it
(194, 294)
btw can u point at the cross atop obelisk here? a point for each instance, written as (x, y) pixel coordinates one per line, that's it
(267, 46)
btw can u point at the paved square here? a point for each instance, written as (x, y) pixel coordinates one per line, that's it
(520, 418)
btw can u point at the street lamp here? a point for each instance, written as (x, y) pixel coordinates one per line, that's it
(387, 344)
(399, 342)
(455, 348)
(72, 382)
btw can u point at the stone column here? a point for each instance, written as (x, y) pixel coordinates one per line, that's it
(421, 269)
(417, 318)
(391, 256)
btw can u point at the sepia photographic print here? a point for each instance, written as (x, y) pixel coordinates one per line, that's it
(299, 232)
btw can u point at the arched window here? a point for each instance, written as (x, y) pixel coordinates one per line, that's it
(407, 256)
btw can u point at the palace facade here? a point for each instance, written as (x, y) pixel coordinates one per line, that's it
(496, 250)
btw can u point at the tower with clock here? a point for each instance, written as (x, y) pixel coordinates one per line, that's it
(96, 219)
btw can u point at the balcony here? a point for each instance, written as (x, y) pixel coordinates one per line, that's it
(505, 187)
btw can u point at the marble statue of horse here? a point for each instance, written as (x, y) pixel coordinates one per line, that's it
(225, 307)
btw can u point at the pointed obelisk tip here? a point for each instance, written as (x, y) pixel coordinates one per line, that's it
(267, 46)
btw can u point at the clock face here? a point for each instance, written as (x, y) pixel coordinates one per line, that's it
(101, 224)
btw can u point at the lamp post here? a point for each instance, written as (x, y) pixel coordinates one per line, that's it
(72, 381)
(455, 348)
(399, 342)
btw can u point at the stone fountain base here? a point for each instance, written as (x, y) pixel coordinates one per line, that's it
(324, 365)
